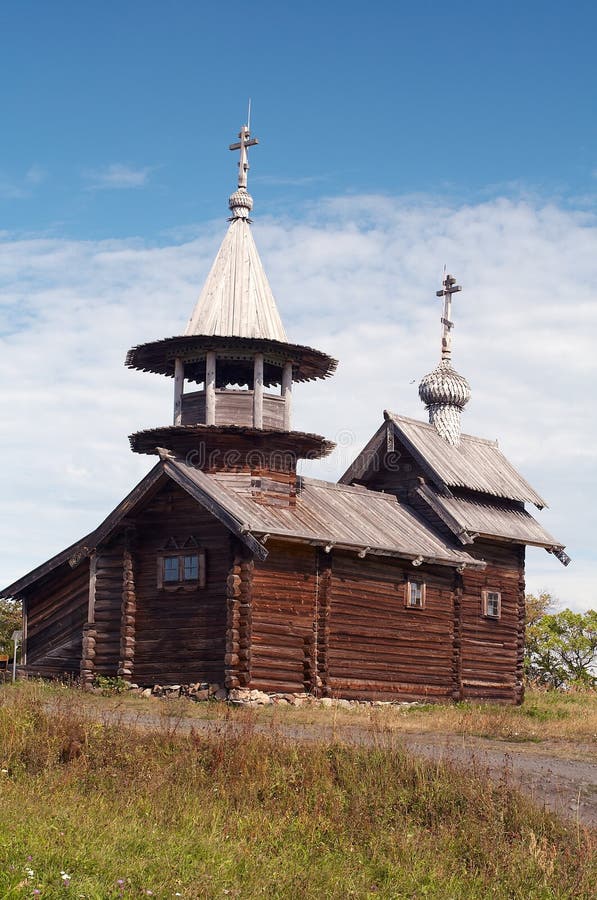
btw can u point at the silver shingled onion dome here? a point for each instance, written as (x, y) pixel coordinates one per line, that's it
(445, 393)
(444, 385)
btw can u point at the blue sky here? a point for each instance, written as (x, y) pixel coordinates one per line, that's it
(459, 98)
(394, 138)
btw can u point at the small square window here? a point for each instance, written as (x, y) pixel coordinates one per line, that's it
(185, 570)
(171, 568)
(415, 594)
(492, 604)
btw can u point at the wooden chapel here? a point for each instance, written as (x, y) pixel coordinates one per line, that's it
(404, 580)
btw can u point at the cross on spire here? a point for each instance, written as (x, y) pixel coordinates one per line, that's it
(449, 287)
(243, 165)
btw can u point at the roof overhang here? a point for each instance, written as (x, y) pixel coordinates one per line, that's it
(159, 356)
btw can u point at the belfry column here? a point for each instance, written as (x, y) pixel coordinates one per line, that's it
(258, 391)
(210, 387)
(178, 390)
(287, 394)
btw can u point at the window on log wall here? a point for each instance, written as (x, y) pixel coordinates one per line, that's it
(492, 604)
(415, 594)
(183, 570)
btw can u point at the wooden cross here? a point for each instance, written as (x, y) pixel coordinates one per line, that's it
(449, 287)
(243, 166)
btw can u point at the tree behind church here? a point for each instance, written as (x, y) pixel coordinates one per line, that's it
(10, 621)
(561, 647)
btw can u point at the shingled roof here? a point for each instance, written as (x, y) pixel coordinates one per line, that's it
(475, 463)
(469, 517)
(325, 514)
(236, 300)
(328, 514)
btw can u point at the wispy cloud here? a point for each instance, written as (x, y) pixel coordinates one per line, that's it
(358, 280)
(21, 187)
(117, 176)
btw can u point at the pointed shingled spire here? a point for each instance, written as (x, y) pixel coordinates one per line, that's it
(236, 300)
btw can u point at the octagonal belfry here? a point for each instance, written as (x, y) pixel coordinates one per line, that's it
(234, 367)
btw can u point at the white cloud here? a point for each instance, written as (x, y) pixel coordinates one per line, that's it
(117, 176)
(356, 278)
(21, 187)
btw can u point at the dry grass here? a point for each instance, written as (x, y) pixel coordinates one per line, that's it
(238, 814)
(545, 715)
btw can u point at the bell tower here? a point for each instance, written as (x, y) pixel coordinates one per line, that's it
(234, 367)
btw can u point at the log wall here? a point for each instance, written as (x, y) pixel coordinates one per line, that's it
(56, 613)
(108, 602)
(492, 649)
(284, 603)
(377, 647)
(180, 635)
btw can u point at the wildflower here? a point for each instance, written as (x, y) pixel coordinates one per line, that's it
(65, 879)
(29, 872)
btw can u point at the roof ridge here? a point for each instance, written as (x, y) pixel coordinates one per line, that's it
(469, 437)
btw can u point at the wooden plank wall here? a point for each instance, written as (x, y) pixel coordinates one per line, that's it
(233, 407)
(56, 613)
(394, 471)
(180, 635)
(108, 602)
(282, 619)
(377, 648)
(492, 648)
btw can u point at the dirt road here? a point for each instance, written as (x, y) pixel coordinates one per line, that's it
(559, 776)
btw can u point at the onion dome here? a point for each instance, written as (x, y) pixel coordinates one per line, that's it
(445, 393)
(444, 385)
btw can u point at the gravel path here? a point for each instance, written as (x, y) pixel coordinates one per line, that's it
(544, 772)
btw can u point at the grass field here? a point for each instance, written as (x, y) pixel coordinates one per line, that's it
(99, 811)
